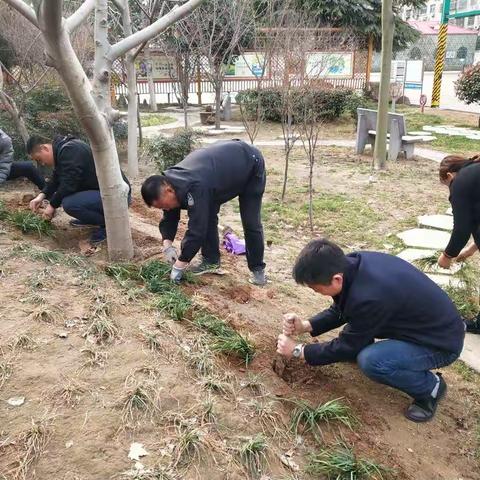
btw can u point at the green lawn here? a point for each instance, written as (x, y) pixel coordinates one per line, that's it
(154, 119)
(458, 145)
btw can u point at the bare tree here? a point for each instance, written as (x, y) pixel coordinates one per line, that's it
(91, 101)
(217, 30)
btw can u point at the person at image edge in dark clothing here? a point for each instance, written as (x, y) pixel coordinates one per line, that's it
(200, 184)
(10, 170)
(74, 183)
(378, 296)
(462, 176)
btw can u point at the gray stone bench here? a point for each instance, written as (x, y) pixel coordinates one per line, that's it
(398, 138)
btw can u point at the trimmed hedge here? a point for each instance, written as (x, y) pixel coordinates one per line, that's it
(322, 104)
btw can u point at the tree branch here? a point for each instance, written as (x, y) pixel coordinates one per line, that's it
(123, 46)
(119, 5)
(21, 7)
(80, 15)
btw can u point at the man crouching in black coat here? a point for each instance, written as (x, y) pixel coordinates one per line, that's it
(200, 184)
(74, 184)
(378, 296)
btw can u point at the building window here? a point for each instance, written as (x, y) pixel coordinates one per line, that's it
(462, 53)
(462, 5)
(459, 22)
(432, 9)
(453, 5)
(470, 21)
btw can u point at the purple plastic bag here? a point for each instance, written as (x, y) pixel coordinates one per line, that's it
(233, 244)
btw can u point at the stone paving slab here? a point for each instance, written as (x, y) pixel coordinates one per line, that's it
(471, 351)
(425, 238)
(445, 280)
(412, 254)
(439, 222)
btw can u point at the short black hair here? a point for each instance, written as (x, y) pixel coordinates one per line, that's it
(318, 262)
(151, 188)
(35, 141)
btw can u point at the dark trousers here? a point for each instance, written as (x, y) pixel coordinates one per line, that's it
(27, 170)
(403, 365)
(85, 206)
(250, 201)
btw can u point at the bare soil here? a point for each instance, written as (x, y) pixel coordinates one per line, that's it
(87, 438)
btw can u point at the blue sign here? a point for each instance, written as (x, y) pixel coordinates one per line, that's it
(413, 86)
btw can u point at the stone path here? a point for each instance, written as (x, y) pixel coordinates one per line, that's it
(453, 131)
(426, 242)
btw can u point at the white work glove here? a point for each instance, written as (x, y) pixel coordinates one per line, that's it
(170, 254)
(176, 274)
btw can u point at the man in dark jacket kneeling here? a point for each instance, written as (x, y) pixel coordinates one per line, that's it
(74, 184)
(378, 296)
(200, 184)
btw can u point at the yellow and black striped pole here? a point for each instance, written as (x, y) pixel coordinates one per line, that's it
(440, 56)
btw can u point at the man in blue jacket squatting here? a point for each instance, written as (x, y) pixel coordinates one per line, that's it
(378, 296)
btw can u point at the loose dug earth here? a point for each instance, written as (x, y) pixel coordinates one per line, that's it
(77, 388)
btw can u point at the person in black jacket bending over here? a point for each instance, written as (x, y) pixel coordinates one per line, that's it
(462, 176)
(74, 184)
(200, 184)
(378, 296)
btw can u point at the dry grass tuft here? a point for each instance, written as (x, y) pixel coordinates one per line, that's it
(25, 341)
(6, 368)
(94, 358)
(48, 314)
(141, 401)
(69, 393)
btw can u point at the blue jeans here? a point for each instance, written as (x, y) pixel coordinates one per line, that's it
(27, 170)
(404, 365)
(85, 206)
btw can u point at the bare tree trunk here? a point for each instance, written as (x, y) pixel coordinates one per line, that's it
(89, 109)
(388, 26)
(139, 123)
(151, 83)
(285, 172)
(310, 188)
(218, 103)
(132, 97)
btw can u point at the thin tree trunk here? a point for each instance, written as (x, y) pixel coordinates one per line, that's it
(310, 189)
(285, 173)
(91, 106)
(151, 83)
(388, 26)
(218, 102)
(139, 122)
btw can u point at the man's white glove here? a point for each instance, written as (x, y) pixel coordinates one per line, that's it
(170, 254)
(176, 274)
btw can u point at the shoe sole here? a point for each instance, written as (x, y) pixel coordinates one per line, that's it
(440, 398)
(211, 271)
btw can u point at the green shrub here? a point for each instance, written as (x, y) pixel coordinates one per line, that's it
(318, 104)
(167, 152)
(359, 101)
(120, 130)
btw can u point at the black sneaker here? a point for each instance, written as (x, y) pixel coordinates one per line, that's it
(78, 224)
(472, 326)
(98, 236)
(205, 267)
(423, 410)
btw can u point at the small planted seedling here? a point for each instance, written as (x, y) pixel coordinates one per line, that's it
(152, 341)
(68, 394)
(6, 369)
(254, 384)
(124, 273)
(212, 324)
(23, 341)
(36, 298)
(141, 400)
(188, 446)
(340, 463)
(252, 453)
(94, 358)
(207, 411)
(103, 329)
(48, 314)
(32, 443)
(308, 417)
(200, 358)
(270, 419)
(217, 384)
(29, 222)
(175, 303)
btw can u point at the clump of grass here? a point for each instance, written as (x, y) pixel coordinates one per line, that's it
(124, 273)
(217, 384)
(6, 369)
(3, 211)
(427, 263)
(68, 394)
(103, 328)
(35, 298)
(270, 419)
(254, 384)
(175, 303)
(234, 344)
(308, 417)
(188, 446)
(156, 275)
(200, 358)
(24, 341)
(207, 412)
(252, 453)
(48, 314)
(32, 443)
(467, 373)
(29, 222)
(141, 400)
(212, 324)
(94, 358)
(340, 463)
(152, 341)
